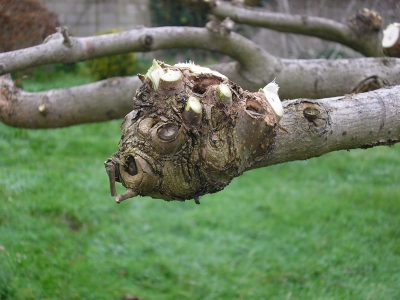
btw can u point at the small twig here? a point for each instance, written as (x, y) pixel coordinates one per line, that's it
(64, 31)
(110, 169)
(129, 193)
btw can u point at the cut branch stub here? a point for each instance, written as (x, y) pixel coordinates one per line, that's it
(190, 135)
(391, 40)
(365, 22)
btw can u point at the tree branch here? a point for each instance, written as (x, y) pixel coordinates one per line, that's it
(54, 50)
(364, 41)
(310, 128)
(319, 78)
(97, 102)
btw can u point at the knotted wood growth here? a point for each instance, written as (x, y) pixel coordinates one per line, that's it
(191, 131)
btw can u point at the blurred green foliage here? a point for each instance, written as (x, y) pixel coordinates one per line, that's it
(181, 13)
(38, 79)
(111, 66)
(175, 13)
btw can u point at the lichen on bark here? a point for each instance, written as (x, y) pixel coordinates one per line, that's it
(183, 140)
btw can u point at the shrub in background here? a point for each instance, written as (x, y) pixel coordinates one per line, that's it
(25, 23)
(111, 66)
(180, 13)
(176, 13)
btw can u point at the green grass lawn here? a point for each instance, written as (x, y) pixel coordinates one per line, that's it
(325, 228)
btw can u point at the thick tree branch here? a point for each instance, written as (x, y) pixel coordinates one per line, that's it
(310, 128)
(320, 78)
(96, 102)
(362, 40)
(54, 50)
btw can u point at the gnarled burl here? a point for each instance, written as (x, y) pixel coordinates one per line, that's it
(191, 131)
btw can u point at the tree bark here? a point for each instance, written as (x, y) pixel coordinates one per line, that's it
(310, 128)
(96, 102)
(191, 131)
(60, 48)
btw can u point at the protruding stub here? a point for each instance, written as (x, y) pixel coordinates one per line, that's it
(193, 112)
(218, 27)
(225, 95)
(171, 82)
(154, 74)
(129, 193)
(228, 24)
(110, 169)
(271, 93)
(65, 34)
(42, 109)
(391, 40)
(365, 22)
(197, 200)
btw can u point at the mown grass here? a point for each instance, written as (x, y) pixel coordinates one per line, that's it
(325, 228)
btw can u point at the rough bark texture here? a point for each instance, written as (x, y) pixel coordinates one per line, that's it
(96, 102)
(183, 139)
(112, 98)
(310, 128)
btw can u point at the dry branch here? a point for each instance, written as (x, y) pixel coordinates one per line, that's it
(54, 50)
(358, 34)
(96, 102)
